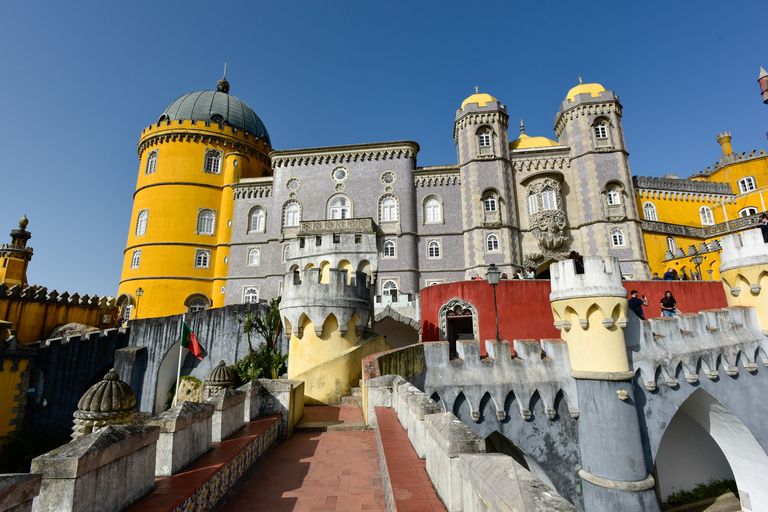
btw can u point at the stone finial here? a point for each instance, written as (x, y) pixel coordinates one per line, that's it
(109, 402)
(221, 377)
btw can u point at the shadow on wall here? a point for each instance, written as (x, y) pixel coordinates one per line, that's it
(397, 333)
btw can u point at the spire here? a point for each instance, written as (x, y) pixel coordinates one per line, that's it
(522, 127)
(477, 91)
(580, 82)
(763, 73)
(223, 85)
(763, 81)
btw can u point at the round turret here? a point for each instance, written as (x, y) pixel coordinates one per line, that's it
(109, 402)
(219, 378)
(582, 88)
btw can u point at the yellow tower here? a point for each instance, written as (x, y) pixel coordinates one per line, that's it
(744, 272)
(178, 246)
(14, 258)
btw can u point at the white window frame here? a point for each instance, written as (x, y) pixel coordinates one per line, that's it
(490, 203)
(613, 197)
(388, 209)
(136, 258)
(433, 210)
(286, 252)
(650, 212)
(601, 130)
(151, 167)
(291, 214)
(259, 215)
(433, 282)
(387, 290)
(484, 139)
(206, 222)
(706, 215)
(618, 239)
(434, 250)
(141, 222)
(212, 162)
(747, 184)
(533, 204)
(247, 295)
(492, 243)
(548, 199)
(749, 210)
(197, 305)
(254, 261)
(393, 245)
(671, 245)
(338, 211)
(202, 258)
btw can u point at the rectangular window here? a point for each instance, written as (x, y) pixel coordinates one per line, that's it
(485, 140)
(533, 205)
(747, 184)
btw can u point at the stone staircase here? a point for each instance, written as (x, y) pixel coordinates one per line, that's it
(356, 398)
(335, 418)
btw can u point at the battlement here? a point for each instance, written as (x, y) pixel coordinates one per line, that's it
(207, 126)
(601, 278)
(743, 249)
(305, 295)
(41, 295)
(541, 368)
(680, 185)
(710, 340)
(730, 159)
(314, 246)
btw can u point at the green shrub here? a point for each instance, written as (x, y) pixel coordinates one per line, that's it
(711, 489)
(262, 363)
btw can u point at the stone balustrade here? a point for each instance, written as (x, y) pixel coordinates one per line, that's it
(18, 490)
(284, 397)
(185, 435)
(252, 402)
(228, 414)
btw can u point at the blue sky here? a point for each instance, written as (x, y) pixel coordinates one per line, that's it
(81, 80)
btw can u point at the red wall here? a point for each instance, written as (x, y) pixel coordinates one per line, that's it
(525, 313)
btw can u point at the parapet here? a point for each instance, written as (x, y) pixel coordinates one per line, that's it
(601, 278)
(743, 249)
(40, 294)
(729, 159)
(679, 185)
(316, 300)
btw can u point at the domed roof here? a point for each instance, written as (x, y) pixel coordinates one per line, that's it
(593, 89)
(219, 107)
(109, 395)
(526, 142)
(221, 375)
(480, 98)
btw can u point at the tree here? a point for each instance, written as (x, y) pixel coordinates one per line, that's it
(268, 326)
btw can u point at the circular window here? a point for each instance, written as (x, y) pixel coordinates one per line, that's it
(388, 178)
(340, 174)
(293, 184)
(217, 119)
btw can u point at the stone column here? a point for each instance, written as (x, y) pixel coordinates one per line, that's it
(590, 310)
(744, 272)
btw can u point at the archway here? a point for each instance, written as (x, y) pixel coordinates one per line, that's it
(166, 375)
(497, 442)
(458, 321)
(747, 459)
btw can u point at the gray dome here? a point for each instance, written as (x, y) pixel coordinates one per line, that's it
(206, 105)
(221, 375)
(109, 395)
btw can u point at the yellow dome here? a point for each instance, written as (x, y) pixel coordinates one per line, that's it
(526, 142)
(480, 98)
(593, 89)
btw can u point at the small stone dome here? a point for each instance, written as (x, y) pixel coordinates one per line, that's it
(23, 222)
(221, 375)
(593, 89)
(109, 395)
(217, 107)
(480, 98)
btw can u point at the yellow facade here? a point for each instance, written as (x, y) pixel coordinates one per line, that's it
(752, 283)
(10, 382)
(173, 196)
(680, 208)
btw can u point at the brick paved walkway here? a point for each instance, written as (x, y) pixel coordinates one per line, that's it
(316, 471)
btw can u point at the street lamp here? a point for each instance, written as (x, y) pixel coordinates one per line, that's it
(139, 293)
(493, 275)
(697, 261)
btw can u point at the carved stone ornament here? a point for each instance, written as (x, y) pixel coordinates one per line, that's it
(108, 402)
(457, 307)
(549, 228)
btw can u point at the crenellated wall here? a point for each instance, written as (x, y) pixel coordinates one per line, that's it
(35, 312)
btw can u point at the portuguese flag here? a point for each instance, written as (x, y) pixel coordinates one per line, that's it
(189, 341)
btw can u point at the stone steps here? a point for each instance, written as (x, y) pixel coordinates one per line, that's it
(352, 401)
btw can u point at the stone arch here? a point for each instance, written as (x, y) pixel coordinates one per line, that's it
(747, 459)
(346, 265)
(325, 272)
(166, 374)
(454, 307)
(195, 300)
(496, 442)
(126, 302)
(400, 330)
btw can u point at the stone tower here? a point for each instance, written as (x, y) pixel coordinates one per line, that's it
(181, 225)
(590, 310)
(325, 312)
(14, 258)
(602, 213)
(744, 272)
(487, 197)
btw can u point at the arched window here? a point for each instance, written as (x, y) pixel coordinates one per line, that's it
(206, 222)
(707, 219)
(257, 219)
(388, 209)
(671, 245)
(746, 212)
(202, 258)
(617, 237)
(484, 138)
(197, 305)
(253, 257)
(292, 214)
(490, 202)
(433, 249)
(389, 249)
(433, 211)
(250, 294)
(141, 223)
(389, 287)
(548, 199)
(286, 253)
(601, 130)
(492, 243)
(533, 204)
(339, 208)
(136, 258)
(613, 196)
(151, 162)
(212, 162)
(649, 210)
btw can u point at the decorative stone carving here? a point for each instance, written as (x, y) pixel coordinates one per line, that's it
(457, 307)
(549, 229)
(221, 377)
(109, 402)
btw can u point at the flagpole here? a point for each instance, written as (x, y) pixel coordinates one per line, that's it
(178, 372)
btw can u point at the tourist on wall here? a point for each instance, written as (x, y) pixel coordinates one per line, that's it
(670, 274)
(529, 273)
(668, 304)
(655, 277)
(764, 226)
(636, 305)
(578, 262)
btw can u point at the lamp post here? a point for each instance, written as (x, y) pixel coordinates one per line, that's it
(697, 261)
(493, 275)
(139, 293)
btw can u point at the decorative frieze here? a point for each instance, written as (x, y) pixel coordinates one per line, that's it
(351, 154)
(252, 191)
(316, 227)
(478, 118)
(544, 163)
(436, 177)
(723, 228)
(586, 109)
(643, 183)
